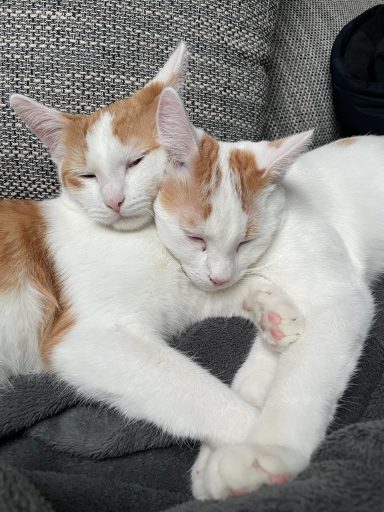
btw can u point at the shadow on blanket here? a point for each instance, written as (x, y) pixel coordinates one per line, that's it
(59, 453)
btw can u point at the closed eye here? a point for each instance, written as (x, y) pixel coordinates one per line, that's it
(198, 240)
(133, 163)
(244, 242)
(87, 176)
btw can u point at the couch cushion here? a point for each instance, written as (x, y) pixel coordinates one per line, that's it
(299, 97)
(78, 56)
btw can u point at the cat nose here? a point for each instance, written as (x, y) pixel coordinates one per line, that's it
(115, 203)
(218, 282)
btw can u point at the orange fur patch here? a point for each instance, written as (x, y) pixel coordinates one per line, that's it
(24, 257)
(193, 196)
(68, 177)
(250, 180)
(75, 146)
(133, 118)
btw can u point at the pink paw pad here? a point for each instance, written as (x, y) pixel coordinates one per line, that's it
(274, 318)
(277, 334)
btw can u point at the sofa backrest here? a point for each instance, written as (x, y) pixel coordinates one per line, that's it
(78, 56)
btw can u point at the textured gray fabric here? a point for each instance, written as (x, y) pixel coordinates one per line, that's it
(78, 56)
(299, 95)
(18, 494)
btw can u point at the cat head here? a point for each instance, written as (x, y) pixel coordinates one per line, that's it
(220, 203)
(109, 162)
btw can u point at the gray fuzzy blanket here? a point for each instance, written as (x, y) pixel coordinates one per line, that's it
(58, 453)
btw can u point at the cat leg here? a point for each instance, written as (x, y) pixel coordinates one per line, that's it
(309, 380)
(265, 301)
(252, 383)
(278, 319)
(254, 378)
(146, 379)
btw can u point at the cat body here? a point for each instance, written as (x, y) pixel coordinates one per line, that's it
(326, 254)
(237, 232)
(88, 291)
(99, 294)
(130, 280)
(117, 298)
(316, 232)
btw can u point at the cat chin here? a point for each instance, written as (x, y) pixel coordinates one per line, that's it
(130, 223)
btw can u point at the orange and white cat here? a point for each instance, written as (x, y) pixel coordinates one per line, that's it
(88, 290)
(226, 209)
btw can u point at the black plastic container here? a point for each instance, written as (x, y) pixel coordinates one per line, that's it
(357, 69)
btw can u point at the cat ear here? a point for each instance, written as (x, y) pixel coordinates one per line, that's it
(279, 154)
(46, 123)
(175, 131)
(173, 71)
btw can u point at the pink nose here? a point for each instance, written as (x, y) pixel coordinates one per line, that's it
(115, 203)
(218, 282)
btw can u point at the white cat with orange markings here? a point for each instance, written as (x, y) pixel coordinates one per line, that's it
(317, 233)
(93, 304)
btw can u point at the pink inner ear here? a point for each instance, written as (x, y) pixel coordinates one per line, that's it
(46, 123)
(277, 156)
(175, 131)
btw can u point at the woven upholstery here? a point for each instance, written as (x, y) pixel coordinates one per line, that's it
(78, 55)
(300, 96)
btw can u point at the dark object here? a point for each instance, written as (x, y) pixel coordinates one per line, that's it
(357, 69)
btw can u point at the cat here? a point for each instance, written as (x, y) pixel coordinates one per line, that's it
(94, 305)
(314, 229)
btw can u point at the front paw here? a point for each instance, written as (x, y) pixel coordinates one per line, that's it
(197, 473)
(240, 469)
(279, 322)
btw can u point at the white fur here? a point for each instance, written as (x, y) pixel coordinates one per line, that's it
(136, 187)
(327, 251)
(128, 292)
(175, 68)
(20, 315)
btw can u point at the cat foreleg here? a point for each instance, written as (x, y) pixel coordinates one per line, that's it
(309, 380)
(146, 379)
(252, 383)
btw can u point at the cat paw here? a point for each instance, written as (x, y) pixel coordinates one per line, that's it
(279, 322)
(197, 472)
(240, 469)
